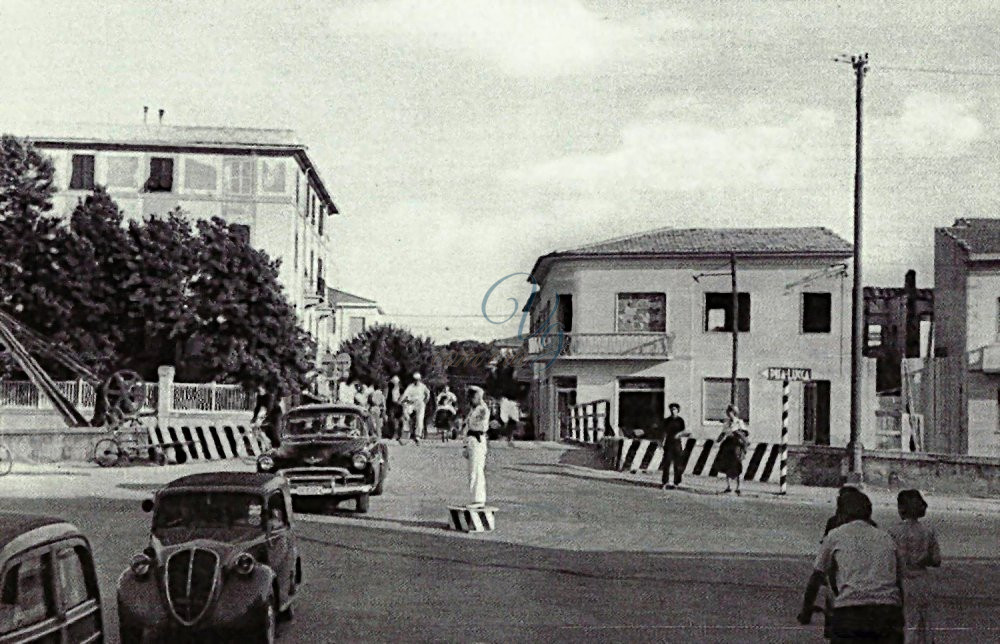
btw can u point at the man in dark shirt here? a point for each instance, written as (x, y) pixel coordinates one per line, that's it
(673, 452)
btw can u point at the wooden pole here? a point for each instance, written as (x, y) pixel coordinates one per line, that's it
(860, 64)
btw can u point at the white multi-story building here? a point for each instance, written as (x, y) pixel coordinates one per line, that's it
(352, 314)
(261, 180)
(647, 319)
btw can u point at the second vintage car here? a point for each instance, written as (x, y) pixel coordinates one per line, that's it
(329, 453)
(222, 561)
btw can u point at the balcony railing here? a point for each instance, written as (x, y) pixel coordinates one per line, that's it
(602, 345)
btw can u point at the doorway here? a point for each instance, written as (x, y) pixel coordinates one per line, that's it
(565, 399)
(816, 412)
(640, 406)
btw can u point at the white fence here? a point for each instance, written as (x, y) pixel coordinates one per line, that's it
(207, 397)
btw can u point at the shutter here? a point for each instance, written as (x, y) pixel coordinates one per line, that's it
(716, 399)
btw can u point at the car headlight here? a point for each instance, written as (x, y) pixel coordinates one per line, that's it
(140, 565)
(359, 461)
(265, 463)
(244, 563)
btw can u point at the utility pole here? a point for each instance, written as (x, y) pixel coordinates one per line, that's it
(736, 327)
(860, 65)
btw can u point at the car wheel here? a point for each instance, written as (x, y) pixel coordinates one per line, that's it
(266, 629)
(361, 504)
(129, 633)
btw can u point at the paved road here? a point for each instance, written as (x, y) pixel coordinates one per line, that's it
(578, 553)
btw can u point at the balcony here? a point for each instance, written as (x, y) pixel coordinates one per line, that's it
(602, 346)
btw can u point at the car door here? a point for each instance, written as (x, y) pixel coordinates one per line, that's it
(28, 605)
(77, 592)
(281, 556)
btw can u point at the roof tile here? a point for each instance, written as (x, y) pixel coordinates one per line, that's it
(724, 240)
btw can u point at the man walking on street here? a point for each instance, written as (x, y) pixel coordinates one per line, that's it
(394, 407)
(414, 400)
(673, 451)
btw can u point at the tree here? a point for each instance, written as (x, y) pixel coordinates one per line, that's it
(383, 351)
(26, 178)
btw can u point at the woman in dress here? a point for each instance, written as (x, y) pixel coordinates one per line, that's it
(919, 550)
(733, 443)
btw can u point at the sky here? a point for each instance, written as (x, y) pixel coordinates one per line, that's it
(461, 139)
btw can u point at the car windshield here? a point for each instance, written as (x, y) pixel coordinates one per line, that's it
(332, 424)
(208, 511)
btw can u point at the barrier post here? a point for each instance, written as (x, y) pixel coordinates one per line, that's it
(784, 436)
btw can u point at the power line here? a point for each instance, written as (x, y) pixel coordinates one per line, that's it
(939, 70)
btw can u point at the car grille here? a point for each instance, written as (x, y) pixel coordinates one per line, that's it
(191, 577)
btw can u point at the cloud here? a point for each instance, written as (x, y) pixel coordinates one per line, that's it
(666, 153)
(929, 125)
(532, 38)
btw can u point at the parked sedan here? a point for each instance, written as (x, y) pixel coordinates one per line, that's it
(328, 453)
(222, 561)
(48, 585)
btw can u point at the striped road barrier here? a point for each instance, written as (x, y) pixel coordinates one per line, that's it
(643, 455)
(466, 518)
(209, 443)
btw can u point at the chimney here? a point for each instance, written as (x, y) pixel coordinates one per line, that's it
(161, 116)
(145, 114)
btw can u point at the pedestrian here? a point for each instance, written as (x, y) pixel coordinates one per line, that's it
(261, 403)
(273, 413)
(475, 445)
(510, 416)
(415, 398)
(376, 407)
(444, 414)
(360, 397)
(838, 519)
(862, 564)
(395, 408)
(733, 443)
(919, 550)
(673, 451)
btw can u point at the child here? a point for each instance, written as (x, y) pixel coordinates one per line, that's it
(919, 550)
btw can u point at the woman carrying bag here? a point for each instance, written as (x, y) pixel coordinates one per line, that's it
(733, 443)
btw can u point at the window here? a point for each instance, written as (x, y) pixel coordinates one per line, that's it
(272, 176)
(308, 200)
(719, 312)
(716, 398)
(295, 260)
(76, 584)
(297, 195)
(355, 326)
(816, 309)
(873, 337)
(312, 265)
(239, 176)
(642, 313)
(199, 175)
(122, 172)
(241, 231)
(322, 216)
(333, 324)
(564, 312)
(312, 211)
(161, 175)
(320, 285)
(83, 172)
(26, 596)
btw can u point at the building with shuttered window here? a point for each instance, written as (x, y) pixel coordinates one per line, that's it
(645, 320)
(261, 180)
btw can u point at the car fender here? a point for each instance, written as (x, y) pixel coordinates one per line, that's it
(242, 595)
(140, 601)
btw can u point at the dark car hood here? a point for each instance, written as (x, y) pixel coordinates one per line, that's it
(320, 451)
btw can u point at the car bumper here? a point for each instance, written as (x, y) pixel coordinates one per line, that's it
(325, 482)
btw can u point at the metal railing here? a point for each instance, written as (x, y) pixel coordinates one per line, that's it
(187, 397)
(608, 345)
(212, 397)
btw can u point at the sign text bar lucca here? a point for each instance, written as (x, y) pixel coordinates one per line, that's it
(787, 373)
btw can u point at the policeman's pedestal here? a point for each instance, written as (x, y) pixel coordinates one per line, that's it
(471, 518)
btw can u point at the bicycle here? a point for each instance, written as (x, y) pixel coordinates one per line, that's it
(129, 442)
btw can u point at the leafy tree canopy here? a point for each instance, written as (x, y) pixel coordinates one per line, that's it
(383, 351)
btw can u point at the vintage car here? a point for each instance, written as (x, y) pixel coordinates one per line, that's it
(222, 561)
(48, 584)
(328, 453)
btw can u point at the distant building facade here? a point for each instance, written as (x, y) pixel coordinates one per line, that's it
(964, 377)
(647, 320)
(261, 180)
(350, 315)
(898, 323)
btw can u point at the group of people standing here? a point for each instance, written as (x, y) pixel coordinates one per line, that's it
(733, 444)
(876, 580)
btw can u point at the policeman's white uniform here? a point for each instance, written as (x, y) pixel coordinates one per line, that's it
(477, 423)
